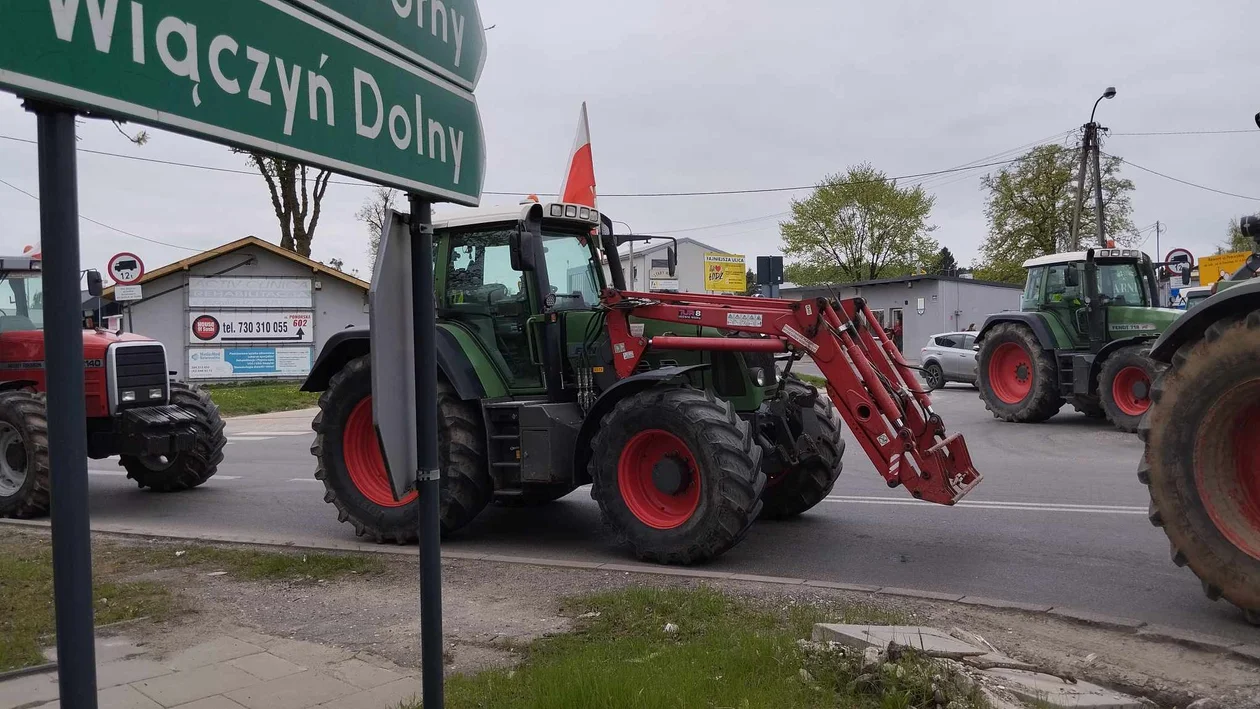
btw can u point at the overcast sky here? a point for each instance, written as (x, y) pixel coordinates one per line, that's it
(736, 94)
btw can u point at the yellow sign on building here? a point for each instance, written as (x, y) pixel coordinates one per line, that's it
(725, 273)
(1211, 267)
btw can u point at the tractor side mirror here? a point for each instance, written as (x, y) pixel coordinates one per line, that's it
(521, 250)
(94, 285)
(1072, 277)
(672, 257)
(1185, 277)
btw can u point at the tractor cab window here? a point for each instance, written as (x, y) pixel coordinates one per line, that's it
(1119, 284)
(21, 302)
(1032, 288)
(573, 272)
(480, 269)
(1057, 289)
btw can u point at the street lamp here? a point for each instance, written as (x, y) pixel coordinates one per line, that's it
(1108, 94)
(1090, 145)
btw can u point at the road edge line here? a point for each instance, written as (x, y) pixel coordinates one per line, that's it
(1242, 651)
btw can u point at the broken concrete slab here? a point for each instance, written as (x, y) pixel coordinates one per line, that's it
(931, 641)
(1051, 691)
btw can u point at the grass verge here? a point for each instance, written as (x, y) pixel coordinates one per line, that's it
(260, 398)
(723, 653)
(816, 381)
(26, 601)
(26, 588)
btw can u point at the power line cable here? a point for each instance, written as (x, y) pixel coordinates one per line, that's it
(1189, 132)
(1177, 179)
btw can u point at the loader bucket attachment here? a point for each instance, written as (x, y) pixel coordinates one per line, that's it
(872, 386)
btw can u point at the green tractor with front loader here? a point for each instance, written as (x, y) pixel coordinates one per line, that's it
(672, 406)
(1082, 336)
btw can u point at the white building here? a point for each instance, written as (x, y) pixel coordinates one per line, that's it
(651, 265)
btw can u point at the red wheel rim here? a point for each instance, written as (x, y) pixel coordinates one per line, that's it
(1227, 469)
(362, 454)
(637, 476)
(1131, 390)
(1011, 373)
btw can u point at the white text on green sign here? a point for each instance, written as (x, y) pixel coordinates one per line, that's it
(257, 74)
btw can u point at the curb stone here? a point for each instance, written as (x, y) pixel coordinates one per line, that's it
(1158, 633)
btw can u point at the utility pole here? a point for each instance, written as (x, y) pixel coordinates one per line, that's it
(1080, 186)
(1090, 144)
(1157, 229)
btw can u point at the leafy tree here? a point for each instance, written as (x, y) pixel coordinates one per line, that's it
(858, 226)
(338, 264)
(1002, 272)
(751, 286)
(372, 214)
(1235, 241)
(945, 263)
(1031, 202)
(295, 198)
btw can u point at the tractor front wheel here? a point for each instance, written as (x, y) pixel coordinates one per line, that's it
(677, 474)
(1201, 465)
(1018, 379)
(1124, 385)
(24, 471)
(353, 471)
(800, 487)
(186, 469)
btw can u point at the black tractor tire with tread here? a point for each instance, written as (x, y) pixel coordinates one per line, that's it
(1194, 428)
(1043, 399)
(1121, 359)
(190, 468)
(801, 488)
(26, 413)
(466, 483)
(728, 458)
(933, 376)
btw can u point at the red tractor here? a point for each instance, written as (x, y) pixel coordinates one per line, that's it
(168, 435)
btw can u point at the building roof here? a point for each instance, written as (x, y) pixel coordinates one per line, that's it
(665, 243)
(237, 245)
(918, 277)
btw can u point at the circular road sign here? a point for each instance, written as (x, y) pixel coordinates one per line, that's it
(1179, 260)
(126, 269)
(205, 328)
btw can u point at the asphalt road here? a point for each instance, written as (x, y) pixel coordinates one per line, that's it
(1059, 519)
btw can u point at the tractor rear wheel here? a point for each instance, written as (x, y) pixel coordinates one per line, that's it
(190, 468)
(1018, 379)
(1200, 463)
(802, 486)
(353, 471)
(1124, 386)
(677, 474)
(24, 471)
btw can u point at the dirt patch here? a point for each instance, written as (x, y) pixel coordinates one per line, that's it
(491, 610)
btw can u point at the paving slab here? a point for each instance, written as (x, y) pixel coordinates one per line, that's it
(307, 654)
(932, 641)
(362, 675)
(112, 674)
(220, 649)
(124, 697)
(266, 666)
(107, 649)
(1051, 691)
(384, 696)
(299, 691)
(216, 702)
(191, 685)
(31, 689)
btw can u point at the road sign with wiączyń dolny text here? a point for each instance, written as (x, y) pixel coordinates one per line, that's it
(255, 74)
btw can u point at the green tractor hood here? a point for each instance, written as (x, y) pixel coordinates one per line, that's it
(1124, 321)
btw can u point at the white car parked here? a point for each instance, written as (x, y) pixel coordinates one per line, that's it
(949, 357)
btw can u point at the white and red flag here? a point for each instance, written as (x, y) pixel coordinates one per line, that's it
(579, 180)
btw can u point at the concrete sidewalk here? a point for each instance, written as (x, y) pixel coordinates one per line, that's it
(240, 669)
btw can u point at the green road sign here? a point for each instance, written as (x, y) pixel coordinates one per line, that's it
(443, 36)
(255, 74)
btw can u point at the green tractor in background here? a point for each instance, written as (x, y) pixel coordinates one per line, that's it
(1083, 335)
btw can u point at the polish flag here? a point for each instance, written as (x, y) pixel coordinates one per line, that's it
(579, 180)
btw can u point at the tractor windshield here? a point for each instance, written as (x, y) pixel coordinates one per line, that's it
(573, 270)
(1120, 284)
(21, 301)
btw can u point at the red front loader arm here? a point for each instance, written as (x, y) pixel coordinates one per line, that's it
(867, 379)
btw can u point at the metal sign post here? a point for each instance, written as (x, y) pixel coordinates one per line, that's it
(428, 477)
(63, 362)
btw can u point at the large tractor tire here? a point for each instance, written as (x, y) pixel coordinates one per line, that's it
(1018, 379)
(353, 471)
(1124, 386)
(802, 486)
(1201, 465)
(190, 468)
(24, 471)
(677, 474)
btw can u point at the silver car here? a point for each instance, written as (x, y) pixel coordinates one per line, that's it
(949, 357)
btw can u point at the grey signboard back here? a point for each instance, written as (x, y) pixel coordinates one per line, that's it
(393, 359)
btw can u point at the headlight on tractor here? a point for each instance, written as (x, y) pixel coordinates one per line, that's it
(128, 396)
(155, 394)
(758, 376)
